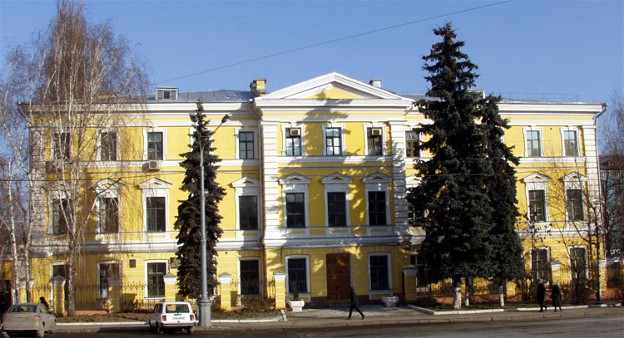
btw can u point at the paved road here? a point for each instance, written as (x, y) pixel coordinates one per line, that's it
(607, 325)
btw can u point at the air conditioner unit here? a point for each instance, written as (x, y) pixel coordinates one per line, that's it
(154, 165)
(376, 132)
(294, 132)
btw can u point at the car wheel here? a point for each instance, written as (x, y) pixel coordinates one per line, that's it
(151, 327)
(41, 331)
(189, 330)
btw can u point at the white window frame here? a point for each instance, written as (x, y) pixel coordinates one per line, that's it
(53, 137)
(563, 141)
(420, 151)
(308, 286)
(383, 138)
(247, 186)
(537, 181)
(99, 271)
(342, 139)
(337, 183)
(155, 188)
(117, 146)
(255, 143)
(295, 183)
(54, 196)
(527, 153)
(370, 284)
(148, 262)
(575, 181)
(378, 182)
(107, 188)
(240, 281)
(301, 138)
(164, 141)
(586, 259)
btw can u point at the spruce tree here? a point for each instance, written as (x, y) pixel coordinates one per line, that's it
(188, 221)
(501, 187)
(452, 195)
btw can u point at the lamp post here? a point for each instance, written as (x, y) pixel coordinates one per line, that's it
(204, 302)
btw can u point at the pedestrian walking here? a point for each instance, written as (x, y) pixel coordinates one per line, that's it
(541, 295)
(353, 303)
(556, 295)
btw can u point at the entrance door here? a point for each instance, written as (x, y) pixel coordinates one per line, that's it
(338, 278)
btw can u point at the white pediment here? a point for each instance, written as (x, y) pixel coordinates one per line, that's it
(332, 86)
(574, 177)
(376, 178)
(246, 182)
(294, 179)
(536, 178)
(336, 179)
(412, 181)
(106, 185)
(155, 183)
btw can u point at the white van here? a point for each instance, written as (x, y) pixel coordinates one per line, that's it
(171, 316)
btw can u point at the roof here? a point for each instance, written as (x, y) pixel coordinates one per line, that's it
(214, 96)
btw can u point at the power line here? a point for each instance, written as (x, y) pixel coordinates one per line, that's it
(288, 51)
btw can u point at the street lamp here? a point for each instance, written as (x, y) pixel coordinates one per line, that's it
(204, 302)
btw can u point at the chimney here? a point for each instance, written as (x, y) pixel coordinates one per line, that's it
(258, 87)
(375, 83)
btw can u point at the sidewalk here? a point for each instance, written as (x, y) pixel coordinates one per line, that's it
(375, 315)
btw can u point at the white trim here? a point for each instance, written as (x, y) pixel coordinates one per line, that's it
(146, 263)
(295, 183)
(117, 144)
(389, 262)
(419, 135)
(155, 188)
(586, 259)
(164, 141)
(540, 139)
(255, 142)
(301, 127)
(260, 279)
(378, 182)
(337, 183)
(98, 273)
(563, 139)
(247, 186)
(342, 139)
(383, 138)
(537, 181)
(307, 261)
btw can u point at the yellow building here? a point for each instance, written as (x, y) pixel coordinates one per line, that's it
(315, 176)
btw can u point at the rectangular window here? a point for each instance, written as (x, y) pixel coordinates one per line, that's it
(156, 214)
(578, 265)
(156, 279)
(336, 209)
(248, 212)
(293, 142)
(246, 144)
(540, 267)
(155, 146)
(62, 142)
(570, 143)
(108, 146)
(412, 143)
(333, 141)
(415, 261)
(374, 141)
(107, 271)
(534, 148)
(250, 277)
(295, 210)
(379, 272)
(109, 214)
(377, 208)
(297, 275)
(537, 205)
(574, 201)
(61, 213)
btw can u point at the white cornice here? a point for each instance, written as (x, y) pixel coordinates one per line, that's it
(537, 107)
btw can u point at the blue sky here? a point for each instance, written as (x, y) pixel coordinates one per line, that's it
(526, 49)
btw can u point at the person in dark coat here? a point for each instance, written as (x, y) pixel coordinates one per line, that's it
(353, 303)
(43, 301)
(555, 295)
(541, 295)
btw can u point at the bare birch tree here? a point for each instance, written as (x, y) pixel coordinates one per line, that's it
(72, 85)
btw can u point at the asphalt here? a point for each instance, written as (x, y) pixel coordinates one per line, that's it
(374, 315)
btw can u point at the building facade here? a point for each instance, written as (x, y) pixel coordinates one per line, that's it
(315, 176)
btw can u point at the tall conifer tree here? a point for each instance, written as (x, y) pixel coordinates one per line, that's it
(452, 194)
(189, 212)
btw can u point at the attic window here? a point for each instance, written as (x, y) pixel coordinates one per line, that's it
(166, 93)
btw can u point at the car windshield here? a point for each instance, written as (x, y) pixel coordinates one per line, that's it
(177, 308)
(23, 308)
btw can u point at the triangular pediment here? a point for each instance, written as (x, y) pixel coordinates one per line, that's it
(336, 179)
(246, 182)
(332, 86)
(155, 183)
(574, 177)
(376, 178)
(294, 179)
(536, 178)
(106, 185)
